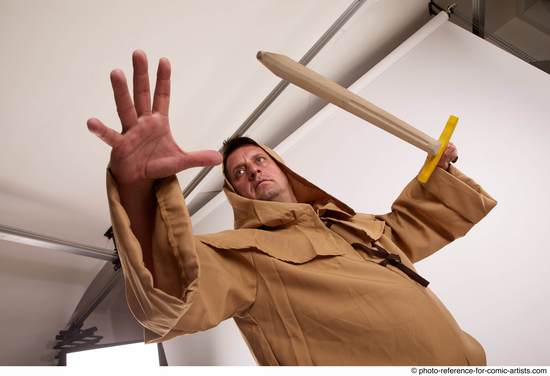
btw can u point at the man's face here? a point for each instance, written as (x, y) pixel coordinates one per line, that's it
(254, 174)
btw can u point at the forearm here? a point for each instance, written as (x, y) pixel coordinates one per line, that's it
(139, 202)
(191, 277)
(426, 217)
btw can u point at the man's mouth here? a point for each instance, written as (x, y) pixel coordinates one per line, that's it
(260, 182)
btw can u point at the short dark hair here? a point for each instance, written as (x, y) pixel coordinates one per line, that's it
(230, 145)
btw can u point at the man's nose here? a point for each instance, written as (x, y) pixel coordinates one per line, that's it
(252, 174)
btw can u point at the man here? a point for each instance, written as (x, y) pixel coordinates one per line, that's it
(307, 280)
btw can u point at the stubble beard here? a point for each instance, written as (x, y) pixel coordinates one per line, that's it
(269, 193)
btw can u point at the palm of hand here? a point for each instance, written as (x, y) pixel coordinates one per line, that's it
(146, 152)
(146, 149)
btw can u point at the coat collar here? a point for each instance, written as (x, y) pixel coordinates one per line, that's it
(249, 213)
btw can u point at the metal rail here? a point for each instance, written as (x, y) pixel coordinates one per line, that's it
(478, 18)
(42, 241)
(313, 51)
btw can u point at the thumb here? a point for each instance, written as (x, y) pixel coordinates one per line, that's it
(201, 158)
(167, 166)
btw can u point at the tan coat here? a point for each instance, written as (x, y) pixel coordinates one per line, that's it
(300, 293)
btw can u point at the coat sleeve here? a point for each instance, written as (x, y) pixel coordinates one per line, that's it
(426, 217)
(195, 287)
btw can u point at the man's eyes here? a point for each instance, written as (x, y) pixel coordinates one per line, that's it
(239, 172)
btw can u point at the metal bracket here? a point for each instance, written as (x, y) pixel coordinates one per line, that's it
(109, 234)
(434, 8)
(73, 339)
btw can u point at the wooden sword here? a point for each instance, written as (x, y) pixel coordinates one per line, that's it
(313, 82)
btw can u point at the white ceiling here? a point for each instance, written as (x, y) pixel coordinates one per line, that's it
(56, 58)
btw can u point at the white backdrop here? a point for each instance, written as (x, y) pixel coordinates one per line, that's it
(495, 280)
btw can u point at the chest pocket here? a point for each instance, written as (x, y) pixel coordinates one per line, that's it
(294, 244)
(369, 232)
(362, 228)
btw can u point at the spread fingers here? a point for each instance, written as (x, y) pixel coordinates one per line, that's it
(124, 105)
(142, 94)
(109, 136)
(161, 101)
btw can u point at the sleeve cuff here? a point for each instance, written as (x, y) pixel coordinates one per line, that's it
(460, 193)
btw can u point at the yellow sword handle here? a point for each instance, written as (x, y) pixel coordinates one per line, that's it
(432, 161)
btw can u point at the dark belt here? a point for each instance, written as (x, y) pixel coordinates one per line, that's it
(392, 259)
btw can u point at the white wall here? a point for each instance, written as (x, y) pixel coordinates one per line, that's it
(496, 279)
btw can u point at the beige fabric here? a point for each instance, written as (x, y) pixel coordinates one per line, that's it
(299, 292)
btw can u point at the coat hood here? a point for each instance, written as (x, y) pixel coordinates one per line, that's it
(250, 213)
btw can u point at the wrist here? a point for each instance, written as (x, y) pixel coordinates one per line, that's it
(136, 189)
(127, 185)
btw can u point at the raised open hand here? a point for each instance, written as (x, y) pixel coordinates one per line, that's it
(145, 149)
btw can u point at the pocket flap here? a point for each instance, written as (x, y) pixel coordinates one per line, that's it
(295, 244)
(365, 224)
